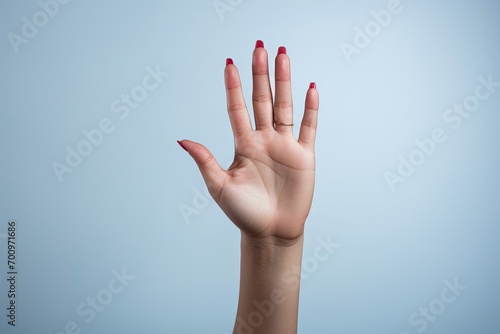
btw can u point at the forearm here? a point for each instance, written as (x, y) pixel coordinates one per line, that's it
(269, 285)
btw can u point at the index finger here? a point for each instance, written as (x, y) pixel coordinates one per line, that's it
(237, 110)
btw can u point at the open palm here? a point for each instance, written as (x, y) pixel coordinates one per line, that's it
(268, 189)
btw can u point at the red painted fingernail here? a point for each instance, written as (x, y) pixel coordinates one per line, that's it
(229, 61)
(281, 50)
(184, 147)
(312, 85)
(259, 44)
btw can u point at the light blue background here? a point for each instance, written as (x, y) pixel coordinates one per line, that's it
(121, 207)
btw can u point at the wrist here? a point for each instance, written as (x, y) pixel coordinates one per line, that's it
(270, 284)
(272, 241)
(272, 258)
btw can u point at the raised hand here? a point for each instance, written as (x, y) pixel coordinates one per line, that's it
(267, 191)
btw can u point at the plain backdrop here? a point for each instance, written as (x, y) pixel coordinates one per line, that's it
(135, 202)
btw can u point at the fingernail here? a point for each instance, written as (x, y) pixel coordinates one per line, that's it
(229, 61)
(184, 147)
(312, 85)
(281, 50)
(259, 44)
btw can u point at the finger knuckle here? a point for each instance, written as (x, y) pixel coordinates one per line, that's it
(261, 98)
(207, 161)
(236, 107)
(283, 104)
(240, 133)
(309, 124)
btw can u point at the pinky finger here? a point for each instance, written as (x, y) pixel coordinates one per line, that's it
(309, 123)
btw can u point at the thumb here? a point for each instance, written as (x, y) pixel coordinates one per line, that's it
(212, 172)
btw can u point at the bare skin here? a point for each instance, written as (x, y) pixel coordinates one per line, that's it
(266, 192)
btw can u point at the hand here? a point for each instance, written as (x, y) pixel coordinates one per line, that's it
(268, 189)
